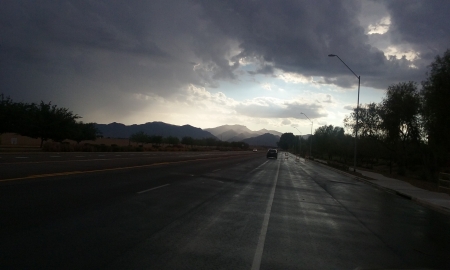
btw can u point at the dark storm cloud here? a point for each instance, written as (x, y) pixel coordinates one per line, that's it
(424, 24)
(101, 50)
(265, 70)
(92, 54)
(268, 108)
(297, 36)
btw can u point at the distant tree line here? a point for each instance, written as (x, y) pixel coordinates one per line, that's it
(409, 129)
(43, 121)
(143, 138)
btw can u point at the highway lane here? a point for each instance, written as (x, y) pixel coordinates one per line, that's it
(240, 212)
(30, 165)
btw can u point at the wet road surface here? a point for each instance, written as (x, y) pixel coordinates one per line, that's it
(226, 210)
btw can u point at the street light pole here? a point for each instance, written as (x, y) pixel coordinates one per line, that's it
(357, 110)
(300, 141)
(310, 143)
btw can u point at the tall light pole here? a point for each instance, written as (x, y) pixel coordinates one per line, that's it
(357, 109)
(310, 143)
(300, 141)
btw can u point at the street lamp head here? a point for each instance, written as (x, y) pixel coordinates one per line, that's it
(331, 55)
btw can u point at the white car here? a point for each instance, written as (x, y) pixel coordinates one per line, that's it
(255, 150)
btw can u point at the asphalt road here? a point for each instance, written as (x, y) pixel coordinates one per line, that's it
(228, 210)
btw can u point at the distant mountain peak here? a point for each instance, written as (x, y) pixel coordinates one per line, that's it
(238, 132)
(118, 130)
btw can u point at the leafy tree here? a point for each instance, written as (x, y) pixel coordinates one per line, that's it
(49, 122)
(287, 140)
(14, 116)
(395, 122)
(187, 140)
(400, 114)
(369, 123)
(7, 115)
(436, 99)
(329, 140)
(210, 141)
(172, 140)
(140, 137)
(156, 139)
(84, 131)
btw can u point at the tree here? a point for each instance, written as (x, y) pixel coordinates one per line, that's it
(47, 121)
(140, 137)
(329, 140)
(172, 140)
(14, 116)
(436, 99)
(395, 122)
(369, 123)
(287, 140)
(156, 139)
(187, 140)
(400, 114)
(84, 131)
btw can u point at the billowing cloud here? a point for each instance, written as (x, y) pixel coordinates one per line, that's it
(286, 122)
(111, 60)
(277, 108)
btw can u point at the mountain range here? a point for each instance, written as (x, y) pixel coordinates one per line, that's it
(238, 132)
(225, 133)
(118, 130)
(266, 139)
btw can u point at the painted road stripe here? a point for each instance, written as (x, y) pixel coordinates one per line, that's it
(102, 170)
(140, 192)
(262, 236)
(259, 166)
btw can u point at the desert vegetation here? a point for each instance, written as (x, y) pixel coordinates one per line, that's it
(44, 121)
(192, 144)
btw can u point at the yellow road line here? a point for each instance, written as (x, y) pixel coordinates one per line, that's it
(70, 160)
(104, 170)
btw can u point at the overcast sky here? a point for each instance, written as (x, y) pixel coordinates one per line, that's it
(213, 62)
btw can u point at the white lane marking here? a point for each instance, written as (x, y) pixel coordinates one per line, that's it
(262, 237)
(216, 170)
(22, 157)
(259, 166)
(152, 189)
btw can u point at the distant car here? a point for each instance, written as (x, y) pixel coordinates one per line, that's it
(255, 150)
(272, 153)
